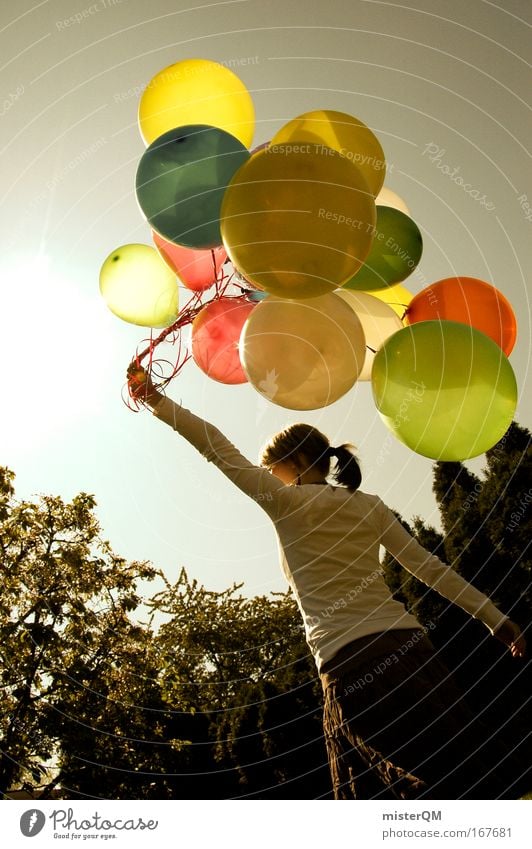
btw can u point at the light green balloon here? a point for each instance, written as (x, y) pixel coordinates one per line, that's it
(138, 286)
(444, 389)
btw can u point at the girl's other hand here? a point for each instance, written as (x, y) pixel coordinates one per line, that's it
(510, 634)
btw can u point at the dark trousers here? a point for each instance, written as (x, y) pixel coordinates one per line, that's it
(397, 727)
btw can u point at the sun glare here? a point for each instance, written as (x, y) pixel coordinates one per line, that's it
(56, 345)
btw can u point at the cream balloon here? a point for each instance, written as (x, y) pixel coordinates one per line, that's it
(138, 287)
(378, 320)
(388, 198)
(302, 355)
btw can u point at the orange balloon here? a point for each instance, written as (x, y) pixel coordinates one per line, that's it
(469, 301)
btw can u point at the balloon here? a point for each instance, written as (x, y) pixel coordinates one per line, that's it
(181, 180)
(388, 198)
(470, 301)
(138, 286)
(341, 132)
(297, 223)
(397, 297)
(395, 252)
(198, 270)
(258, 147)
(215, 334)
(196, 91)
(378, 321)
(302, 354)
(444, 389)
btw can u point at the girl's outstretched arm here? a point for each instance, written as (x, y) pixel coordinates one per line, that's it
(436, 574)
(276, 499)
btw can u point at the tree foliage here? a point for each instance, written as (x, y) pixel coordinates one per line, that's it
(487, 523)
(201, 694)
(218, 701)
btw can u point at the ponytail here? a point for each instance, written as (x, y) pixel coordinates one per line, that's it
(347, 472)
(303, 440)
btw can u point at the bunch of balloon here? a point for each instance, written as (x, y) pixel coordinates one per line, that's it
(197, 119)
(318, 248)
(298, 222)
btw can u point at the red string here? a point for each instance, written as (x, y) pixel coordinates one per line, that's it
(162, 371)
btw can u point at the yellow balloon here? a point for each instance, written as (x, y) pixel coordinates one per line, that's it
(302, 355)
(296, 222)
(196, 91)
(388, 198)
(378, 320)
(138, 286)
(343, 133)
(397, 297)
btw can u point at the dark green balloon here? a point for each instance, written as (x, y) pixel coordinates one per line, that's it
(394, 254)
(181, 181)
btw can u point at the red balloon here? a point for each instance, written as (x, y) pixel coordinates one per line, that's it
(215, 335)
(196, 269)
(469, 301)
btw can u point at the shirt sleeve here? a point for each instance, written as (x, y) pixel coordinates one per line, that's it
(276, 499)
(436, 574)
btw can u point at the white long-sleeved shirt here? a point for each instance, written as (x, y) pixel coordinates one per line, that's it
(329, 543)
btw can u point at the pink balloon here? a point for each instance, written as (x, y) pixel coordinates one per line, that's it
(196, 269)
(260, 147)
(215, 335)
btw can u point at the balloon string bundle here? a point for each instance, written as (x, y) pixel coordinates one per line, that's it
(155, 368)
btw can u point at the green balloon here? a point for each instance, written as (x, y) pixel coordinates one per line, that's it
(394, 254)
(181, 181)
(444, 389)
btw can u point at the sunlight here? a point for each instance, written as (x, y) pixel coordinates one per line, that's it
(53, 337)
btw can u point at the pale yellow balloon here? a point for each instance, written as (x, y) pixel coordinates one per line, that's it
(138, 286)
(196, 91)
(397, 297)
(388, 198)
(342, 132)
(302, 355)
(378, 320)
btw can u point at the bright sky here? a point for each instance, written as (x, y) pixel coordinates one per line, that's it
(444, 86)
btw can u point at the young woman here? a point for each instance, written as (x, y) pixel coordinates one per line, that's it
(395, 722)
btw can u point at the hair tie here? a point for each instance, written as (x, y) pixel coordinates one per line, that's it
(331, 452)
